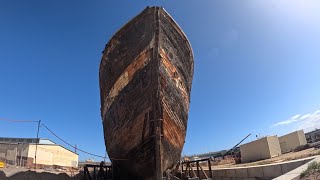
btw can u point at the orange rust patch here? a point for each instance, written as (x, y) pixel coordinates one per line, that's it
(138, 63)
(175, 76)
(172, 131)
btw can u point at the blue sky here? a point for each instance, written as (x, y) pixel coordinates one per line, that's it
(256, 67)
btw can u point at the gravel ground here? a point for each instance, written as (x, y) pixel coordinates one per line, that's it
(11, 170)
(32, 175)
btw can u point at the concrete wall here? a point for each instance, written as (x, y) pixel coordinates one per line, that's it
(260, 172)
(53, 155)
(295, 173)
(263, 148)
(274, 146)
(302, 138)
(292, 140)
(11, 152)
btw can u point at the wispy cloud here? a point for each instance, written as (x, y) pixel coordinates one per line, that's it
(306, 122)
(289, 121)
(310, 121)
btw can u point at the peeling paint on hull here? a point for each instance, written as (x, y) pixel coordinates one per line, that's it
(145, 81)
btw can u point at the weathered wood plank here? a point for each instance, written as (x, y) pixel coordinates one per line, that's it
(145, 82)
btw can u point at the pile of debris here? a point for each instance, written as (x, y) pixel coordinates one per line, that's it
(32, 175)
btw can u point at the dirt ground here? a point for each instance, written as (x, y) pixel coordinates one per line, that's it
(20, 173)
(315, 175)
(284, 157)
(32, 175)
(11, 170)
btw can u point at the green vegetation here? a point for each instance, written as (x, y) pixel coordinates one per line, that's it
(314, 166)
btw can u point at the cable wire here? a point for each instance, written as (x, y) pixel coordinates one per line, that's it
(71, 144)
(17, 121)
(83, 151)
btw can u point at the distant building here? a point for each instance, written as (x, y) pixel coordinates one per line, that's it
(21, 152)
(83, 163)
(263, 148)
(313, 136)
(291, 141)
(89, 160)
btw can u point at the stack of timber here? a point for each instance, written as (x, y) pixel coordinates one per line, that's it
(145, 78)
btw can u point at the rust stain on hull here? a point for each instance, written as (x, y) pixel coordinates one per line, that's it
(127, 75)
(175, 76)
(145, 81)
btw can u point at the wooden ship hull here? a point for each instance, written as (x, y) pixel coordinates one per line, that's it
(145, 78)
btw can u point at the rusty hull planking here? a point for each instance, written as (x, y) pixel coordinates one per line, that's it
(145, 82)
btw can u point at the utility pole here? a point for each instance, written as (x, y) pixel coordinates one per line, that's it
(21, 155)
(15, 159)
(35, 154)
(75, 148)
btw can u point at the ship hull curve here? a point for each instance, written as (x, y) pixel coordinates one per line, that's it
(145, 81)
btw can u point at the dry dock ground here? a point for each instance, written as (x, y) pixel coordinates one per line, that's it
(18, 173)
(282, 158)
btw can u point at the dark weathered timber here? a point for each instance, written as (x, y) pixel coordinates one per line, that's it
(189, 173)
(145, 82)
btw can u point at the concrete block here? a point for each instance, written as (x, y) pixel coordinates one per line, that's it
(231, 173)
(218, 178)
(236, 178)
(206, 171)
(255, 172)
(272, 171)
(290, 166)
(300, 163)
(226, 178)
(295, 173)
(215, 173)
(221, 173)
(307, 160)
(242, 172)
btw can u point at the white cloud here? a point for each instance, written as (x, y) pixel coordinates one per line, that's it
(306, 116)
(289, 121)
(310, 122)
(296, 116)
(307, 122)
